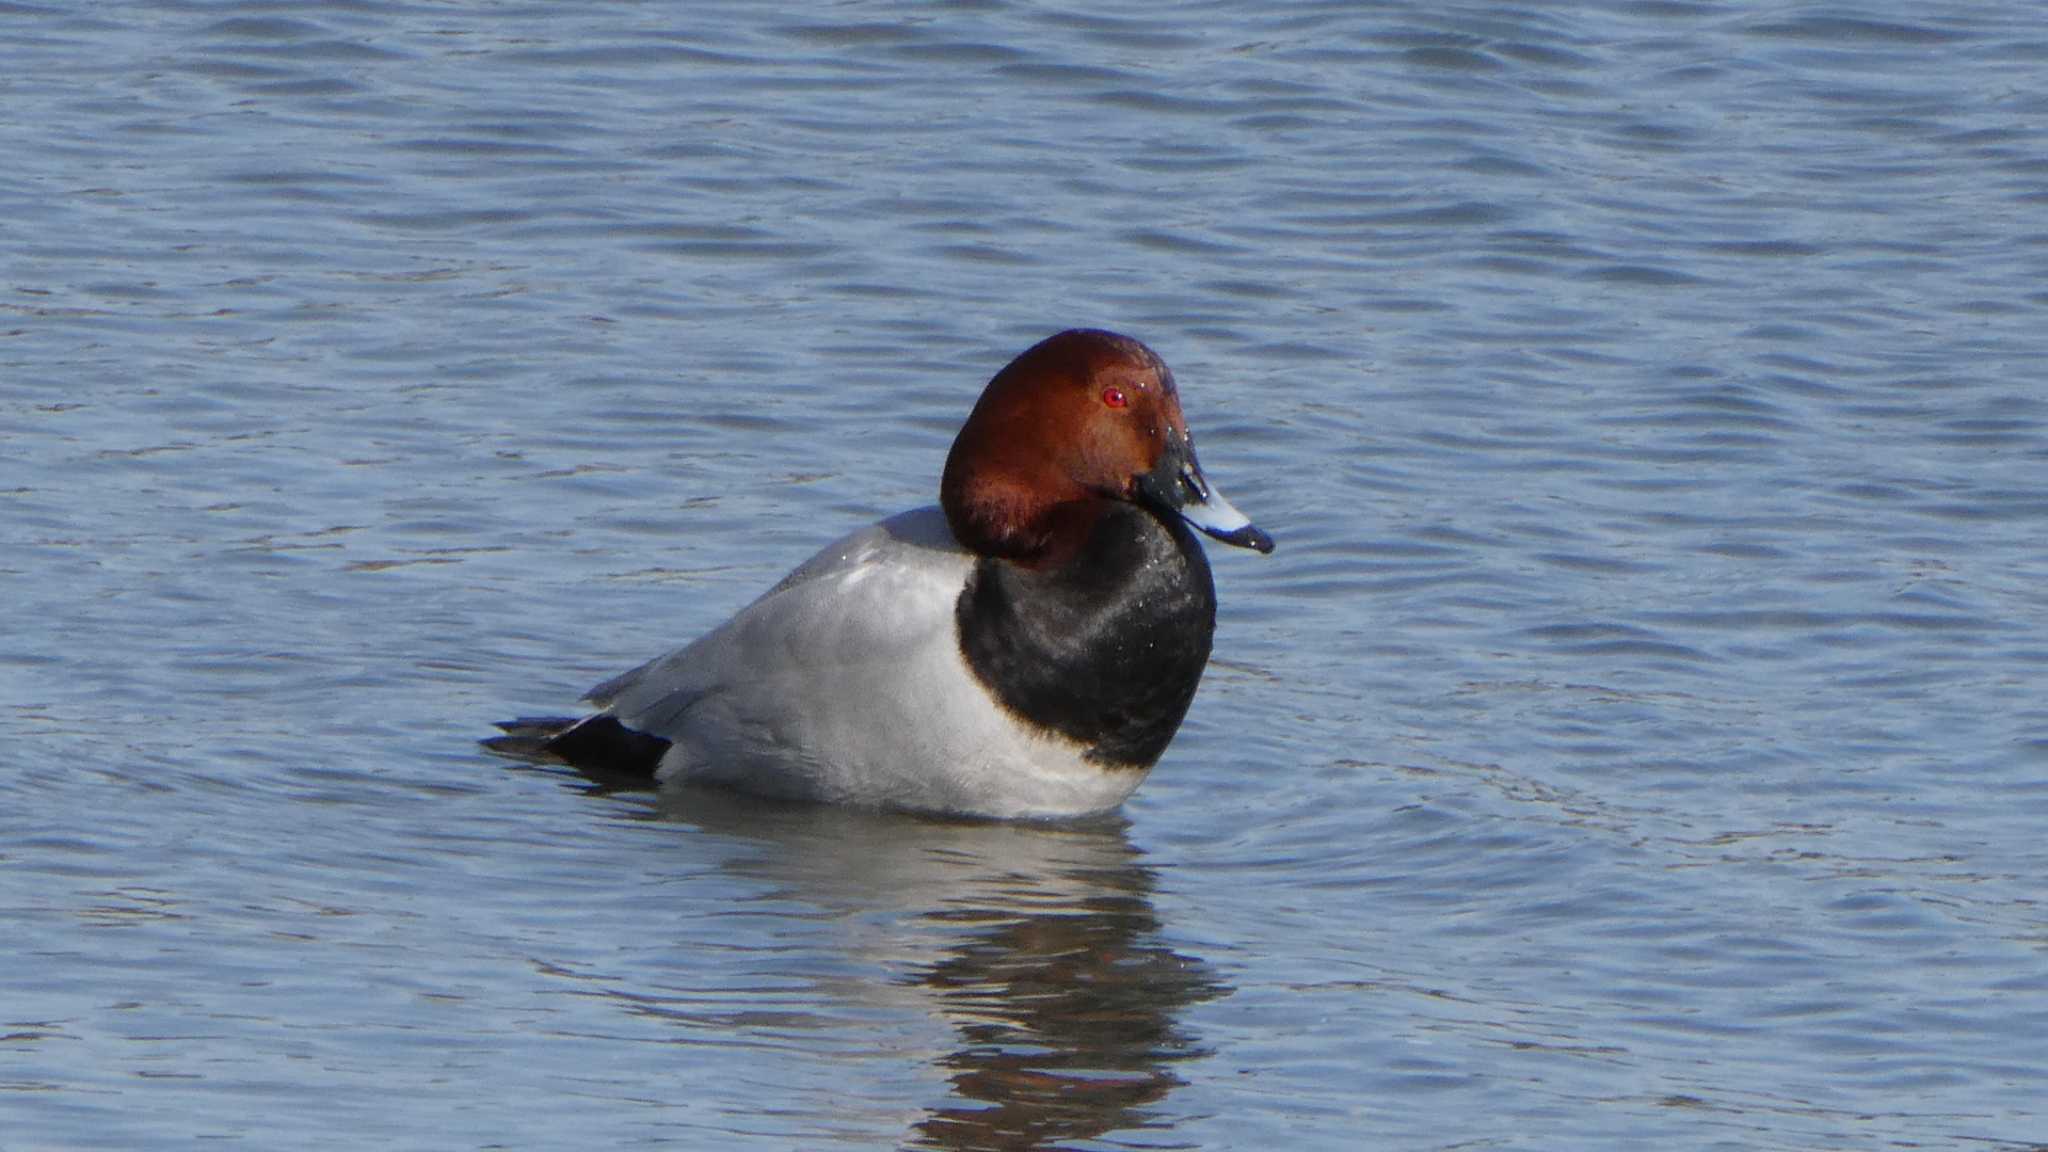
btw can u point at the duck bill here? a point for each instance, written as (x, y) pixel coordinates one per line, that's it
(1177, 485)
(1219, 517)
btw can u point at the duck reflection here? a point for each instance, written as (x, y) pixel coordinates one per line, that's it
(1067, 1013)
(1038, 945)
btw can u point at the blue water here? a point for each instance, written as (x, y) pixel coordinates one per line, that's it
(1638, 740)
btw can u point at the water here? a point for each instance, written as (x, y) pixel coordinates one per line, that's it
(1637, 741)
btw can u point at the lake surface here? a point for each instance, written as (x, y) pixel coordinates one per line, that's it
(1639, 739)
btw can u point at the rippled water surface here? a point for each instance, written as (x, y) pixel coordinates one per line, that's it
(1639, 739)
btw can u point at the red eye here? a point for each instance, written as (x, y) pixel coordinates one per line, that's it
(1114, 397)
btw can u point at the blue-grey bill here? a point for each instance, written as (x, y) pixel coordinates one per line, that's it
(1206, 509)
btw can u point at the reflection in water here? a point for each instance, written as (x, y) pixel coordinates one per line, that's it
(1038, 945)
(1067, 1017)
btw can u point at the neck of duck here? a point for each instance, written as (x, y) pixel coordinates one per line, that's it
(1022, 522)
(1089, 618)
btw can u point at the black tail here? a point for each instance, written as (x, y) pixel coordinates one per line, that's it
(597, 746)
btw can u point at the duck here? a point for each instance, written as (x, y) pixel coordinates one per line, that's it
(1024, 649)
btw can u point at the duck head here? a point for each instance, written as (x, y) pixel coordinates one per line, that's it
(1078, 418)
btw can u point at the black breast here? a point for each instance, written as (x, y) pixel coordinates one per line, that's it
(1106, 649)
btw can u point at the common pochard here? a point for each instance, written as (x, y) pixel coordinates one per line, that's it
(1027, 648)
